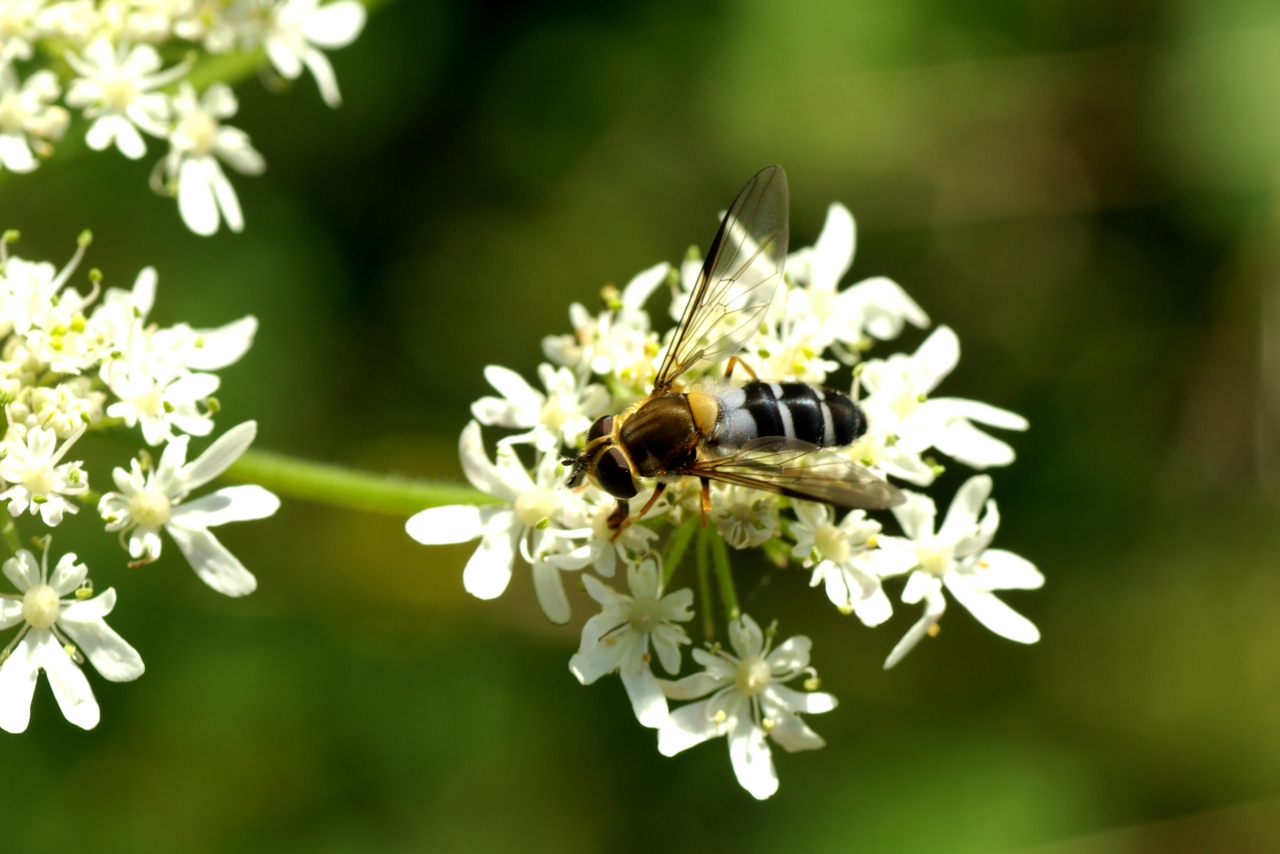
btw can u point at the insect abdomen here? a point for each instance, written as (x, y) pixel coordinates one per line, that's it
(820, 416)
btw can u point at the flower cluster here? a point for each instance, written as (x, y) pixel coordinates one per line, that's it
(74, 364)
(813, 330)
(110, 54)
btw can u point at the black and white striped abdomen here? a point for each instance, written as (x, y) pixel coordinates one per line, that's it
(821, 416)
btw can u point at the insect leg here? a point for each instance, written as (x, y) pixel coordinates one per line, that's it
(621, 513)
(706, 500)
(734, 361)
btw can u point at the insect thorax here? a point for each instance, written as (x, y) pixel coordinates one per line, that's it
(660, 436)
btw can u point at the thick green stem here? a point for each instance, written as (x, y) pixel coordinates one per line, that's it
(724, 578)
(677, 545)
(704, 586)
(343, 487)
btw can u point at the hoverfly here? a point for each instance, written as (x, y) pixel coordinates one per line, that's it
(766, 435)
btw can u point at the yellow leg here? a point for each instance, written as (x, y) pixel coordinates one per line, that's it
(734, 361)
(706, 500)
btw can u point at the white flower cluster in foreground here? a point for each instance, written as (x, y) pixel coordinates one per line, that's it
(109, 52)
(72, 364)
(743, 693)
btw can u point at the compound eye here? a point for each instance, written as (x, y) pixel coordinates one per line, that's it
(602, 427)
(614, 474)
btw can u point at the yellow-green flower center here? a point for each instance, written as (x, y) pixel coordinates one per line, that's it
(150, 509)
(753, 676)
(40, 606)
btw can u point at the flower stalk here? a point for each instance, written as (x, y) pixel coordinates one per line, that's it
(677, 545)
(338, 486)
(704, 585)
(724, 576)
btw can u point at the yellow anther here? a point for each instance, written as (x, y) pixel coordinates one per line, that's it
(873, 541)
(933, 630)
(812, 683)
(768, 724)
(720, 717)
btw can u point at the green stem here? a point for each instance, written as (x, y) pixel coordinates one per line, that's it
(724, 578)
(9, 532)
(704, 586)
(343, 487)
(677, 545)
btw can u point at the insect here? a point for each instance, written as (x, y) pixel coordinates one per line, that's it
(766, 435)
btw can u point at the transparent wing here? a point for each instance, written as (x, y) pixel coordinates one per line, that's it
(801, 470)
(738, 279)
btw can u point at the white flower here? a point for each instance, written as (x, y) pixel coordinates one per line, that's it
(298, 27)
(877, 306)
(562, 415)
(37, 481)
(748, 702)
(114, 88)
(618, 343)
(528, 524)
(160, 405)
(848, 559)
(17, 28)
(31, 293)
(746, 517)
(149, 501)
(618, 638)
(170, 352)
(957, 558)
(607, 545)
(198, 141)
(56, 635)
(28, 117)
(898, 392)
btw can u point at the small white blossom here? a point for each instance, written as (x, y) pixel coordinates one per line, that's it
(898, 391)
(150, 500)
(619, 637)
(748, 702)
(57, 634)
(18, 28)
(528, 524)
(746, 517)
(957, 558)
(618, 343)
(37, 481)
(160, 406)
(115, 90)
(198, 141)
(875, 306)
(561, 416)
(607, 545)
(298, 28)
(848, 559)
(28, 117)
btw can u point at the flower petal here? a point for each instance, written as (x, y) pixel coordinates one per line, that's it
(489, 570)
(548, 586)
(335, 25)
(993, 613)
(229, 504)
(224, 345)
(438, 526)
(216, 566)
(809, 702)
(115, 659)
(18, 683)
(647, 699)
(70, 686)
(752, 761)
(791, 654)
(224, 451)
(196, 202)
(746, 637)
(22, 570)
(68, 574)
(693, 686)
(935, 604)
(688, 726)
(1002, 570)
(962, 515)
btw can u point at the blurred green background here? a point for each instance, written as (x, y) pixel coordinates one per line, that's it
(1086, 191)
